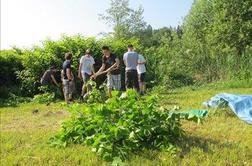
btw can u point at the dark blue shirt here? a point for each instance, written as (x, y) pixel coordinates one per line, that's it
(66, 65)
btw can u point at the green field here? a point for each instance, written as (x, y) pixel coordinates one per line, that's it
(222, 139)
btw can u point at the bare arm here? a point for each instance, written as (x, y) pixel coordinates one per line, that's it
(68, 73)
(141, 63)
(100, 71)
(54, 80)
(79, 73)
(124, 61)
(114, 66)
(137, 59)
(62, 75)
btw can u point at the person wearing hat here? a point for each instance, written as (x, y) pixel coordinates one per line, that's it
(86, 70)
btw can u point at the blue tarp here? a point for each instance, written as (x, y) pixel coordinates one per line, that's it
(241, 105)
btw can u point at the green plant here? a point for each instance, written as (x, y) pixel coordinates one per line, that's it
(95, 95)
(28, 82)
(124, 124)
(13, 100)
(44, 98)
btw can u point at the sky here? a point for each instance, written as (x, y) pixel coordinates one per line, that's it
(25, 23)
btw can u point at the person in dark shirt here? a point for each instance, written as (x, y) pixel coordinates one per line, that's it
(68, 79)
(48, 77)
(110, 66)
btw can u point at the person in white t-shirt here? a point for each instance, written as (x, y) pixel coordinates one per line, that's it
(86, 70)
(141, 70)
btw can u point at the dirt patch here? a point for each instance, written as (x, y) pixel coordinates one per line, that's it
(34, 120)
(49, 113)
(60, 112)
(57, 113)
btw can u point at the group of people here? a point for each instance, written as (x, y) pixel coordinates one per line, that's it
(134, 72)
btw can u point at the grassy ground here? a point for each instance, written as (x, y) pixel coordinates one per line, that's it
(222, 139)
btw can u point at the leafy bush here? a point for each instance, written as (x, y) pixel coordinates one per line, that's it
(95, 95)
(13, 100)
(176, 79)
(28, 82)
(10, 62)
(52, 89)
(4, 92)
(45, 98)
(124, 124)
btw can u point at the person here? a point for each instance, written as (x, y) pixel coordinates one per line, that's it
(110, 66)
(48, 77)
(71, 84)
(130, 59)
(68, 79)
(141, 70)
(86, 69)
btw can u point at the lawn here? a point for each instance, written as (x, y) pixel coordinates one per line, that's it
(222, 139)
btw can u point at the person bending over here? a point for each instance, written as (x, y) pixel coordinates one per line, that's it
(48, 77)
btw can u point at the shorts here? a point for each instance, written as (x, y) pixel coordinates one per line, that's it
(85, 77)
(68, 87)
(141, 77)
(131, 79)
(114, 81)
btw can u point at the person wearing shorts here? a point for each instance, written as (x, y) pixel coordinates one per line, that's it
(86, 69)
(68, 80)
(110, 66)
(130, 59)
(141, 70)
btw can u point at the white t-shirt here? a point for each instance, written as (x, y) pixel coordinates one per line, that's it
(87, 62)
(141, 67)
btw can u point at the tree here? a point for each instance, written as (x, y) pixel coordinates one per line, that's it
(145, 36)
(124, 20)
(137, 22)
(216, 34)
(233, 25)
(196, 28)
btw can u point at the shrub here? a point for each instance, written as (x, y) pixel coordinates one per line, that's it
(10, 62)
(45, 98)
(124, 124)
(28, 81)
(13, 100)
(96, 94)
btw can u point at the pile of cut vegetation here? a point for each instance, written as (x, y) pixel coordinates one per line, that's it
(125, 124)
